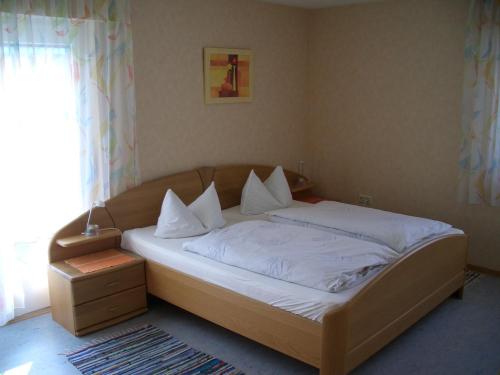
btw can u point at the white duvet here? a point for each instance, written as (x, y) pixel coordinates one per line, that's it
(397, 231)
(305, 256)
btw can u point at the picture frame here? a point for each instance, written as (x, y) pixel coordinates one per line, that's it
(228, 75)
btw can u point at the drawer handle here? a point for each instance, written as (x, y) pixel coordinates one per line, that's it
(112, 308)
(112, 284)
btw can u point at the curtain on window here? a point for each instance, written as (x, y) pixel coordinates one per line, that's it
(67, 129)
(480, 152)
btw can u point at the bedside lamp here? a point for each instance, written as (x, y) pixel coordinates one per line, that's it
(301, 180)
(93, 229)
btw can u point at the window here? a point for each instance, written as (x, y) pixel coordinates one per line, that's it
(40, 156)
(67, 122)
(480, 149)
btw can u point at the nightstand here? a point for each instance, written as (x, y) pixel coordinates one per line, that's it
(302, 191)
(86, 302)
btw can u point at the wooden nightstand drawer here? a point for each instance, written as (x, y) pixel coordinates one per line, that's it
(110, 307)
(108, 283)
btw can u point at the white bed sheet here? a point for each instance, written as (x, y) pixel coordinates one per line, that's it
(306, 302)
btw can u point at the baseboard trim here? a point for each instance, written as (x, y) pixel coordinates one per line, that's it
(483, 270)
(30, 315)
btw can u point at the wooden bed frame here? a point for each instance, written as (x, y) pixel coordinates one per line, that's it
(393, 301)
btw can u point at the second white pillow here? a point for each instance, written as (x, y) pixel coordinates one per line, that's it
(176, 220)
(258, 197)
(207, 208)
(277, 185)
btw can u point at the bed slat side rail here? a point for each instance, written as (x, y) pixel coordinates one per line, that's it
(290, 334)
(402, 294)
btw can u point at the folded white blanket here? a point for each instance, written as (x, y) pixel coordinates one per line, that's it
(309, 257)
(397, 231)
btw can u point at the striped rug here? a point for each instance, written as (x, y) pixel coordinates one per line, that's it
(145, 350)
(470, 276)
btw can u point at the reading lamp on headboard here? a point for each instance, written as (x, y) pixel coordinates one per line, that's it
(93, 229)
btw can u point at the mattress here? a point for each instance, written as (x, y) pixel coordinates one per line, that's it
(303, 301)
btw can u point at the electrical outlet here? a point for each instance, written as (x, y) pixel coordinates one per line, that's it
(365, 200)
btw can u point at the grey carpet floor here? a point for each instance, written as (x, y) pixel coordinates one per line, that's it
(459, 337)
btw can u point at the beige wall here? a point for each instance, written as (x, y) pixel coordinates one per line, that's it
(382, 117)
(176, 130)
(386, 84)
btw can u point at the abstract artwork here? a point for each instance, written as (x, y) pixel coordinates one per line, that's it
(228, 75)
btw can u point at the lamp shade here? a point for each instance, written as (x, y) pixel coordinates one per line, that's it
(99, 204)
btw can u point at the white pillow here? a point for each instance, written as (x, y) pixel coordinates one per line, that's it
(207, 209)
(176, 220)
(277, 185)
(256, 198)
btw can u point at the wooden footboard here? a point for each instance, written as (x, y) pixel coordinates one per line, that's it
(396, 299)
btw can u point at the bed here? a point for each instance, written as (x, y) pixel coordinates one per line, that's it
(333, 333)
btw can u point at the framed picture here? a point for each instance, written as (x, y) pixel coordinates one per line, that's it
(228, 75)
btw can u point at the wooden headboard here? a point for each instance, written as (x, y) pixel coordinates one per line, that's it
(140, 207)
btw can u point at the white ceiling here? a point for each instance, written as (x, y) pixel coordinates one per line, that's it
(317, 4)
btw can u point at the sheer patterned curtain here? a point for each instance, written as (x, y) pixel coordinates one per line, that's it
(480, 153)
(67, 129)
